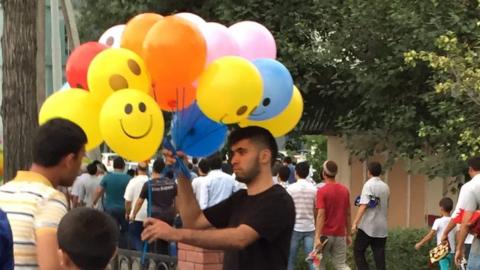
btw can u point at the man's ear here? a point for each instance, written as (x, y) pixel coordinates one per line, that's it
(265, 156)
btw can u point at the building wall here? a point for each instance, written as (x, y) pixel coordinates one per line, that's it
(412, 197)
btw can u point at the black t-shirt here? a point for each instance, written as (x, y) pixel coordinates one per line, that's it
(164, 191)
(271, 214)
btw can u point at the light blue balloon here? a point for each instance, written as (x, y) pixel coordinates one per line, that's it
(277, 89)
(195, 134)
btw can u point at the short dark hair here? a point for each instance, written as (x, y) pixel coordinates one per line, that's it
(375, 168)
(158, 165)
(284, 173)
(92, 168)
(474, 163)
(118, 163)
(331, 168)
(215, 161)
(56, 139)
(195, 160)
(446, 204)
(302, 169)
(287, 160)
(89, 237)
(257, 135)
(203, 165)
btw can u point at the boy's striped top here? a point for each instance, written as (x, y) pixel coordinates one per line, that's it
(33, 206)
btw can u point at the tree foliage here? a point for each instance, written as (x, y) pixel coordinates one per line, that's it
(348, 58)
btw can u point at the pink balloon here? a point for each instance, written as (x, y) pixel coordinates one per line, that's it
(219, 41)
(193, 18)
(254, 40)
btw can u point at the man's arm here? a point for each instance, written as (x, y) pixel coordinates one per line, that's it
(447, 230)
(462, 235)
(187, 205)
(361, 211)
(98, 194)
(138, 205)
(47, 247)
(128, 209)
(226, 239)
(319, 226)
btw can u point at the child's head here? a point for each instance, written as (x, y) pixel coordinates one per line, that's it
(446, 205)
(87, 239)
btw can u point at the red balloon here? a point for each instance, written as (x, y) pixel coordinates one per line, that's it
(79, 61)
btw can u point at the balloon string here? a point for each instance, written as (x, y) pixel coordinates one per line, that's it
(205, 136)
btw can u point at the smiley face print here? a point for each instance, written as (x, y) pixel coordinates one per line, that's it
(132, 124)
(115, 69)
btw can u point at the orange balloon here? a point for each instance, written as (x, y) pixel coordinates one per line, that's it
(172, 98)
(136, 30)
(175, 51)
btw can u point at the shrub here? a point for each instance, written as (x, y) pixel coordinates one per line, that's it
(400, 252)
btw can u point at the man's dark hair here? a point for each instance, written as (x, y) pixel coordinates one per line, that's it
(446, 204)
(215, 161)
(56, 139)
(118, 163)
(283, 173)
(92, 168)
(158, 165)
(474, 163)
(287, 160)
(330, 168)
(203, 165)
(374, 168)
(257, 135)
(131, 172)
(89, 237)
(142, 166)
(194, 161)
(302, 169)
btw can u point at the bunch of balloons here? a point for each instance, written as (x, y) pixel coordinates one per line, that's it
(208, 75)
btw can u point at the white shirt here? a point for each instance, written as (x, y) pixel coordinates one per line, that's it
(196, 182)
(439, 225)
(217, 187)
(88, 189)
(78, 185)
(132, 192)
(374, 221)
(303, 194)
(469, 197)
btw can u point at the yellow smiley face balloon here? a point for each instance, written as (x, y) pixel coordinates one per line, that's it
(132, 124)
(229, 89)
(115, 69)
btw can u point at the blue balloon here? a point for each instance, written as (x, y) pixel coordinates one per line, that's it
(195, 134)
(277, 89)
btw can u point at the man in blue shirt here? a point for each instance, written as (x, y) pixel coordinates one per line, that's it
(6, 243)
(114, 185)
(287, 161)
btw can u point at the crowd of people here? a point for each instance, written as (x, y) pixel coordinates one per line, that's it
(256, 208)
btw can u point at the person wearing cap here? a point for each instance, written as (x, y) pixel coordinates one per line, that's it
(333, 219)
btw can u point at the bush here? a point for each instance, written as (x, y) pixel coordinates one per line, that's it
(400, 252)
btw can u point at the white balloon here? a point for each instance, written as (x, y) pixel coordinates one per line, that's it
(113, 36)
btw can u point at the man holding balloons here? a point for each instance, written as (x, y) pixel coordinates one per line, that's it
(254, 232)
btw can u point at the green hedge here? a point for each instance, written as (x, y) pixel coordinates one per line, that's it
(400, 252)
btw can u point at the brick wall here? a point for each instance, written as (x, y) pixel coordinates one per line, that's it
(195, 258)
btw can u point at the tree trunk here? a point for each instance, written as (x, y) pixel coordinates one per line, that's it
(19, 104)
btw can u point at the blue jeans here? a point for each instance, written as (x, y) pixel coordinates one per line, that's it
(119, 216)
(297, 237)
(134, 234)
(473, 261)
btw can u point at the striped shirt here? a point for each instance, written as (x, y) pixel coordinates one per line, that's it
(303, 194)
(33, 207)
